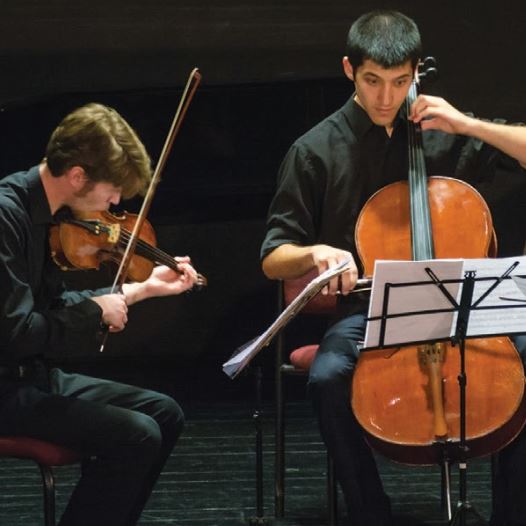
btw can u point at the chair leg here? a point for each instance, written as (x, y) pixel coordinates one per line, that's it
(279, 468)
(279, 463)
(445, 494)
(332, 493)
(494, 468)
(49, 494)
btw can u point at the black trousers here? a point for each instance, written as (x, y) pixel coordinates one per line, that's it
(356, 471)
(509, 503)
(125, 433)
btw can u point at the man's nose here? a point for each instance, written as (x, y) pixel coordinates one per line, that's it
(386, 95)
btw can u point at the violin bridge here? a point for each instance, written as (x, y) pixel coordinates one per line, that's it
(114, 232)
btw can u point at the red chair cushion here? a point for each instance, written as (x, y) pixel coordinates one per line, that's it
(302, 357)
(41, 452)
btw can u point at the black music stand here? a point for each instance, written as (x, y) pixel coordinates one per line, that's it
(255, 369)
(259, 519)
(246, 356)
(463, 506)
(463, 309)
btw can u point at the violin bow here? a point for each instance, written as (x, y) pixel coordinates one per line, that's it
(191, 86)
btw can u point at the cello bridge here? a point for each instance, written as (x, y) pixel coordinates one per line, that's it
(429, 354)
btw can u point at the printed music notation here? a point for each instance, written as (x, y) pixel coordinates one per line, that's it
(418, 301)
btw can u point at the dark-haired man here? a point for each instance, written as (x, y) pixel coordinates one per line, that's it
(124, 433)
(325, 179)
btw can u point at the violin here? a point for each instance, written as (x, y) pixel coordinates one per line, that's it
(90, 239)
(95, 237)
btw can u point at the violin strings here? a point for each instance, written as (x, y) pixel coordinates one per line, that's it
(148, 251)
(157, 255)
(151, 252)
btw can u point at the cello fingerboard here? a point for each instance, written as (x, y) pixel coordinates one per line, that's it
(421, 228)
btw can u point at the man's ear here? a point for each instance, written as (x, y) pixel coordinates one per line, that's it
(76, 177)
(348, 69)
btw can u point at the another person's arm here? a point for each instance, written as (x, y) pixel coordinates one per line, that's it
(434, 113)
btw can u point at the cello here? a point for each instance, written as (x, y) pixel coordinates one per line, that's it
(407, 398)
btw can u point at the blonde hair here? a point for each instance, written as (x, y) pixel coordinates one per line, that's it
(96, 138)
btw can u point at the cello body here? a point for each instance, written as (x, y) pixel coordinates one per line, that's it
(407, 399)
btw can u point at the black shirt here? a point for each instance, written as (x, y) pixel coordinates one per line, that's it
(329, 173)
(37, 315)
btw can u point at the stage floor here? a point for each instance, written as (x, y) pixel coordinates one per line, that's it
(210, 478)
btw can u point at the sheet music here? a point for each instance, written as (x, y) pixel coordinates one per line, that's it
(434, 315)
(521, 284)
(246, 352)
(497, 321)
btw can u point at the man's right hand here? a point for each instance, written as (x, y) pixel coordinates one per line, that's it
(293, 261)
(325, 257)
(114, 310)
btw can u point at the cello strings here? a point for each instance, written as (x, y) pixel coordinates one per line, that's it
(420, 218)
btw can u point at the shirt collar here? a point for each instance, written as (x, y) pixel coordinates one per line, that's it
(38, 203)
(359, 120)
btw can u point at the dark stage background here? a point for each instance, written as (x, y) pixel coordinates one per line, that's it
(270, 71)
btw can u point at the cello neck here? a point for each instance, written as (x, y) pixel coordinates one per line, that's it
(421, 228)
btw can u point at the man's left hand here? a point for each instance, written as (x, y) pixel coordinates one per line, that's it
(435, 113)
(163, 281)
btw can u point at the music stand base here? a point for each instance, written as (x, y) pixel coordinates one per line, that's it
(461, 512)
(260, 521)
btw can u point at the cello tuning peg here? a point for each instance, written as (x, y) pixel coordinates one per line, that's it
(427, 70)
(429, 62)
(429, 75)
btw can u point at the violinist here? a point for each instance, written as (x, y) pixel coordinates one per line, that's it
(325, 179)
(125, 433)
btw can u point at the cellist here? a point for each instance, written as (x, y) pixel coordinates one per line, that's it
(126, 433)
(325, 179)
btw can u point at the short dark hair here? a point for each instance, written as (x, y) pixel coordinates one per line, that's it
(386, 37)
(99, 140)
